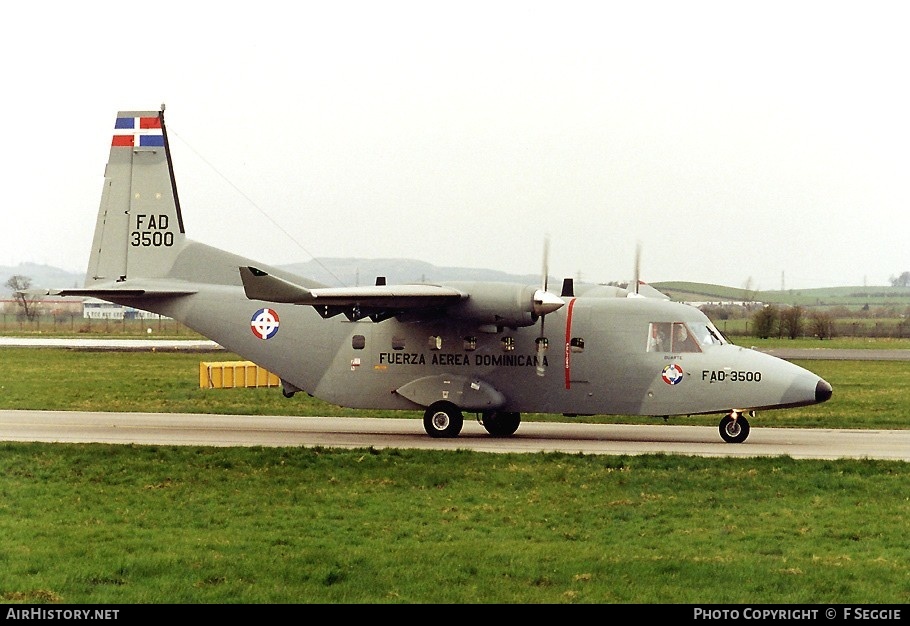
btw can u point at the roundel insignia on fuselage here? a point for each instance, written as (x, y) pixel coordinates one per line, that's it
(672, 374)
(264, 323)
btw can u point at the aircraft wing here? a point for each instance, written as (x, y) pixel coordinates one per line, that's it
(377, 302)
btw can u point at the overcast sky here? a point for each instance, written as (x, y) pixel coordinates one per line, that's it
(744, 144)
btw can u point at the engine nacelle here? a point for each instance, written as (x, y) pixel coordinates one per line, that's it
(503, 304)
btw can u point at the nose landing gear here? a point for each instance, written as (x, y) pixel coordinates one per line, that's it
(734, 427)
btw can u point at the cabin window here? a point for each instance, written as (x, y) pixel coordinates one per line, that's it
(358, 342)
(435, 342)
(577, 344)
(397, 343)
(470, 344)
(508, 344)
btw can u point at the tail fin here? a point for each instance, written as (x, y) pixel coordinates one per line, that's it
(139, 232)
(140, 249)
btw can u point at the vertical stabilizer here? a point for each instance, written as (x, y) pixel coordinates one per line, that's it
(139, 231)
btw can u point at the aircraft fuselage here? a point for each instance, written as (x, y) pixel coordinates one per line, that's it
(596, 362)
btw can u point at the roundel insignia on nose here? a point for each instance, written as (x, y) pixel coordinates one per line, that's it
(264, 323)
(672, 374)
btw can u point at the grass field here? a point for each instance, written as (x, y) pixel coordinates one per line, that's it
(158, 524)
(128, 524)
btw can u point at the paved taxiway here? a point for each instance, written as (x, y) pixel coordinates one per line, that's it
(350, 432)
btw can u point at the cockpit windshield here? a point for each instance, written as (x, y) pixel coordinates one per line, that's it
(706, 334)
(681, 337)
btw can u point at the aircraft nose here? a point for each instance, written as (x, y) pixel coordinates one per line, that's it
(823, 390)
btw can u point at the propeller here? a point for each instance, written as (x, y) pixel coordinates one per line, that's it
(544, 302)
(642, 289)
(636, 279)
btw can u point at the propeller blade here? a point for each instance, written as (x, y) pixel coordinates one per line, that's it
(544, 302)
(546, 264)
(637, 266)
(541, 348)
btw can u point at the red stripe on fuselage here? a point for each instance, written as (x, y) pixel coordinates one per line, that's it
(568, 342)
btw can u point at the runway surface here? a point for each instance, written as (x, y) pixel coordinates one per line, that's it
(349, 432)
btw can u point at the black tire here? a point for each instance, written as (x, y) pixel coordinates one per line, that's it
(443, 419)
(502, 424)
(734, 430)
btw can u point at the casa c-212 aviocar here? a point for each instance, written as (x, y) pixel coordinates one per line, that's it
(492, 349)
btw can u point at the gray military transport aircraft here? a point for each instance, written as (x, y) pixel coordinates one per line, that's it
(446, 349)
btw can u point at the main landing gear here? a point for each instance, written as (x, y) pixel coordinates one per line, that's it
(501, 424)
(734, 427)
(444, 419)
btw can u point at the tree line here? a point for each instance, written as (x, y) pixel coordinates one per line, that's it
(901, 281)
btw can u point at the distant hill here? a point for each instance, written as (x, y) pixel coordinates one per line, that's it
(704, 292)
(336, 272)
(42, 276)
(825, 296)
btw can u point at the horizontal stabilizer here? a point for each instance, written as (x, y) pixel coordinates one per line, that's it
(114, 293)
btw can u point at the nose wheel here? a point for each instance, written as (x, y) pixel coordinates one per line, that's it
(734, 427)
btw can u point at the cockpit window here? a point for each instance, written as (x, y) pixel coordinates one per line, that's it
(683, 341)
(706, 334)
(675, 337)
(658, 337)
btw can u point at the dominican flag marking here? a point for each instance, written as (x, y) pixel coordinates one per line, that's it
(264, 323)
(672, 374)
(139, 132)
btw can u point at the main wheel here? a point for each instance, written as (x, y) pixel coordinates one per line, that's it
(734, 430)
(443, 419)
(501, 424)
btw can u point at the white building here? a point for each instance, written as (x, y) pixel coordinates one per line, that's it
(95, 309)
